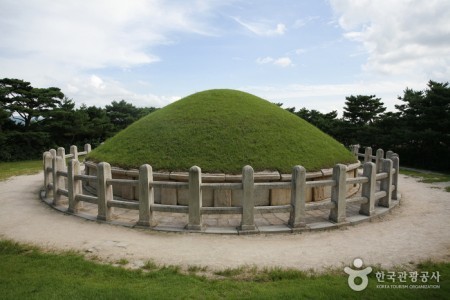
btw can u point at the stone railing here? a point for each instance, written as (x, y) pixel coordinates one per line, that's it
(52, 165)
(220, 197)
(379, 182)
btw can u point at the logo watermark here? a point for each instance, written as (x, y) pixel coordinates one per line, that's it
(408, 280)
(353, 274)
(391, 279)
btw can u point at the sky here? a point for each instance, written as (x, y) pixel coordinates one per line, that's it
(302, 53)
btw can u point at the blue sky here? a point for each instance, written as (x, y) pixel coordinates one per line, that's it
(303, 53)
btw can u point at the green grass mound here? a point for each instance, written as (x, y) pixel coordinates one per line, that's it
(222, 131)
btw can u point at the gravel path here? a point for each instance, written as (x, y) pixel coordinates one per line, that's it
(417, 230)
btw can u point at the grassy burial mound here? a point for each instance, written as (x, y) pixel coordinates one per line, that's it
(222, 131)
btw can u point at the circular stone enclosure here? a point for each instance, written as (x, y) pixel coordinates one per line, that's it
(222, 197)
(243, 163)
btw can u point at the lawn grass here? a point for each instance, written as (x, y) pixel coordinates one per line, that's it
(16, 168)
(222, 131)
(29, 273)
(427, 177)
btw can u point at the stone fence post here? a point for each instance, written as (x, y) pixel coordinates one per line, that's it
(338, 194)
(379, 159)
(74, 151)
(355, 150)
(396, 166)
(385, 184)
(368, 154)
(298, 198)
(146, 195)
(47, 158)
(87, 148)
(104, 191)
(368, 189)
(58, 181)
(61, 152)
(248, 200)
(389, 154)
(73, 186)
(195, 221)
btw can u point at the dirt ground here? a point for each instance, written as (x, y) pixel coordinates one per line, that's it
(417, 230)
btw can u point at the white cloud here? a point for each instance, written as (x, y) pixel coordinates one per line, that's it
(97, 82)
(280, 30)
(263, 28)
(406, 38)
(264, 60)
(280, 62)
(94, 90)
(283, 62)
(54, 43)
(103, 33)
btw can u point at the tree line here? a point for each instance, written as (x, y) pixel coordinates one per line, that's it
(419, 129)
(33, 120)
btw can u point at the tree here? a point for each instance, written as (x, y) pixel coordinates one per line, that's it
(427, 109)
(27, 103)
(98, 127)
(425, 123)
(328, 122)
(4, 117)
(363, 110)
(123, 113)
(317, 118)
(46, 119)
(66, 124)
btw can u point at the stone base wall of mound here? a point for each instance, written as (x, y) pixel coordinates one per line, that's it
(221, 197)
